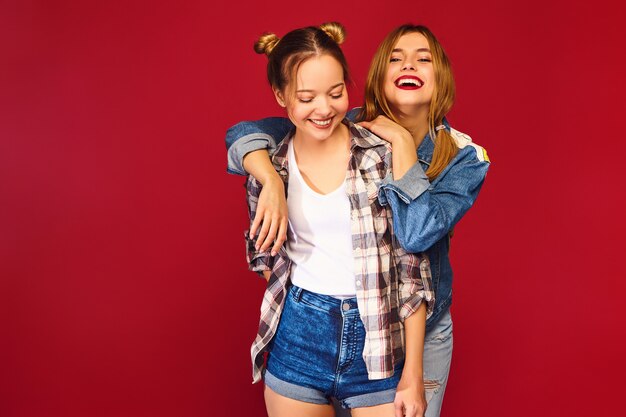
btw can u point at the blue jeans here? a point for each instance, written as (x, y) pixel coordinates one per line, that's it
(437, 358)
(317, 354)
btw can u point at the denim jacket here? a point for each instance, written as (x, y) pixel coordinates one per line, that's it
(424, 212)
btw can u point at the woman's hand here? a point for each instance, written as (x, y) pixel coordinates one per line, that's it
(271, 217)
(410, 397)
(387, 129)
(404, 151)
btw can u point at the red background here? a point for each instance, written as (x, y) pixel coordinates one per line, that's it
(123, 284)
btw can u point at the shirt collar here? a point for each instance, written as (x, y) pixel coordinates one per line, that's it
(362, 137)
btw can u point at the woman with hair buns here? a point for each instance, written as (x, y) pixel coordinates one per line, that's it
(437, 171)
(342, 298)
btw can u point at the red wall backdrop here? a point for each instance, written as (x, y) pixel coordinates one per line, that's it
(123, 284)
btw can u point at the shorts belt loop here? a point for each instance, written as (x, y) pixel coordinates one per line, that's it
(297, 293)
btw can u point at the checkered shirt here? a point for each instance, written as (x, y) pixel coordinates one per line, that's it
(391, 284)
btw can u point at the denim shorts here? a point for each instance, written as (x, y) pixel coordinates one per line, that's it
(317, 354)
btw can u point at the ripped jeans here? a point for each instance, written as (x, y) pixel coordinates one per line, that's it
(437, 359)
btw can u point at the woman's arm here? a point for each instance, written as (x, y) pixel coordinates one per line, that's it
(271, 213)
(250, 136)
(424, 212)
(245, 137)
(404, 154)
(417, 300)
(247, 144)
(410, 398)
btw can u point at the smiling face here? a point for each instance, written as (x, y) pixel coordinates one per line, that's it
(319, 101)
(410, 77)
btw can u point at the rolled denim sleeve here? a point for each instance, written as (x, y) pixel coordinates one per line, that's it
(413, 184)
(423, 212)
(248, 136)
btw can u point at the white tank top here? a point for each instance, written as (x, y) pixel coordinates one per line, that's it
(320, 239)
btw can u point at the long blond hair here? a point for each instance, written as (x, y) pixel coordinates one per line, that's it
(442, 100)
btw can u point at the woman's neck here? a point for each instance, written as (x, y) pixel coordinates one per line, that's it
(323, 162)
(316, 148)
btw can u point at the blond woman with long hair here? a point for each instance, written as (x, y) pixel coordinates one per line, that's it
(437, 172)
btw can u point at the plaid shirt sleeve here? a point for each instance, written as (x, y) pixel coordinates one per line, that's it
(257, 261)
(275, 292)
(415, 284)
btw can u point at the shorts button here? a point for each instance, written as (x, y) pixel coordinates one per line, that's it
(346, 306)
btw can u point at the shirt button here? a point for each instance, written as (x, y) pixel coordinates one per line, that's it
(358, 283)
(346, 306)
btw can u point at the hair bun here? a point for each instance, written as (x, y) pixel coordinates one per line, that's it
(335, 30)
(266, 43)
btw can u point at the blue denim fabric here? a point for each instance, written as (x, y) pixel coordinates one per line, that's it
(248, 136)
(437, 360)
(317, 354)
(252, 136)
(424, 213)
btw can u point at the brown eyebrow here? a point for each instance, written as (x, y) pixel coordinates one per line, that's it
(417, 50)
(311, 91)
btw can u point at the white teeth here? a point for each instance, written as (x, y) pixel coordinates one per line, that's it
(321, 122)
(409, 81)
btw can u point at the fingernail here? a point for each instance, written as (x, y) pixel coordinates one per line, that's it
(273, 253)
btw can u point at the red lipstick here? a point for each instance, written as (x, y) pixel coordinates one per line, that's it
(409, 82)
